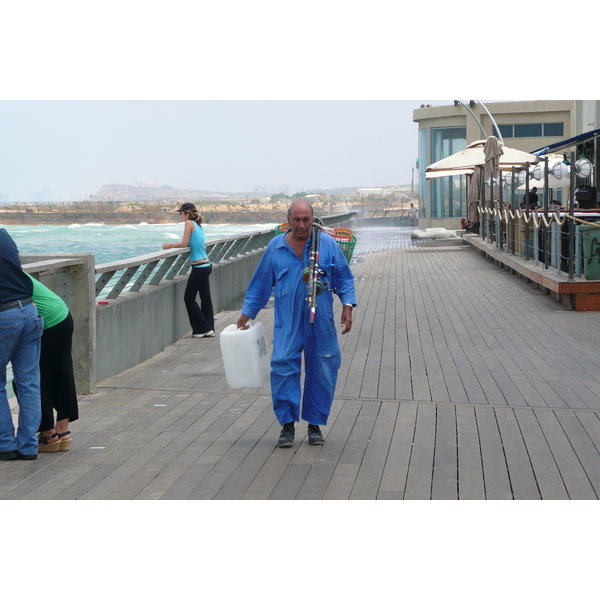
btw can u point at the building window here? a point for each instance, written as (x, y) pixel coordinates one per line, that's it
(532, 130)
(528, 130)
(506, 131)
(447, 194)
(554, 129)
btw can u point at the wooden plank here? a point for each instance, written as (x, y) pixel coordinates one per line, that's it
(445, 464)
(575, 478)
(158, 473)
(393, 479)
(583, 447)
(242, 478)
(369, 475)
(418, 481)
(323, 468)
(548, 478)
(520, 471)
(346, 471)
(495, 471)
(305, 456)
(470, 469)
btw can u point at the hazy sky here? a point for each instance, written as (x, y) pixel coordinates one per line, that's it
(75, 147)
(229, 96)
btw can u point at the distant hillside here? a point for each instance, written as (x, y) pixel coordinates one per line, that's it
(152, 192)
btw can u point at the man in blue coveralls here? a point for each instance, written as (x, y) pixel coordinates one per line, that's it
(281, 271)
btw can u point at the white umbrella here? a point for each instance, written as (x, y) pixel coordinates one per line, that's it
(473, 156)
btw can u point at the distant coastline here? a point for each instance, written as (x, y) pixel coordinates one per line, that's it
(119, 218)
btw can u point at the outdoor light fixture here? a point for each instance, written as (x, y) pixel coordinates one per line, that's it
(538, 172)
(583, 167)
(560, 170)
(509, 180)
(521, 176)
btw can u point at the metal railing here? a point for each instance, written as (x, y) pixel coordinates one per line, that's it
(552, 239)
(130, 275)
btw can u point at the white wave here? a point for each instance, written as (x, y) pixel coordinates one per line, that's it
(172, 236)
(143, 224)
(74, 226)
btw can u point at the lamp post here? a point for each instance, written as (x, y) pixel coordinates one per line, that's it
(457, 102)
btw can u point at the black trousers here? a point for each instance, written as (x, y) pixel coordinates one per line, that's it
(201, 317)
(57, 380)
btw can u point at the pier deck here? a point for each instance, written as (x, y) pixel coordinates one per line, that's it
(458, 381)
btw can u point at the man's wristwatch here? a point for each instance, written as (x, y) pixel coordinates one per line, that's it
(350, 305)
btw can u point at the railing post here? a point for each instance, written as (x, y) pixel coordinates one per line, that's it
(556, 241)
(578, 252)
(571, 222)
(76, 286)
(83, 309)
(499, 228)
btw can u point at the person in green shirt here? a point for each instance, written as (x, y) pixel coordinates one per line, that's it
(57, 380)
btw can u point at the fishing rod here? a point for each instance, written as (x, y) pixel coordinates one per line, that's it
(312, 273)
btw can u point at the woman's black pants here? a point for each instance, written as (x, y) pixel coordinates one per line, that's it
(201, 317)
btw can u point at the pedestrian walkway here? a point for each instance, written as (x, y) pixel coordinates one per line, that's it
(459, 381)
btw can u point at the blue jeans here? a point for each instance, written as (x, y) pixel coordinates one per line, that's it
(20, 340)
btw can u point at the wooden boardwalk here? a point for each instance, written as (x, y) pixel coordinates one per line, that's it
(458, 381)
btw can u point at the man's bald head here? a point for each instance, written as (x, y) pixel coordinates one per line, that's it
(300, 204)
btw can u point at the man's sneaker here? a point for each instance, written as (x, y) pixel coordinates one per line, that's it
(287, 436)
(315, 437)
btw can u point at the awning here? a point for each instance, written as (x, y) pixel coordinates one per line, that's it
(567, 143)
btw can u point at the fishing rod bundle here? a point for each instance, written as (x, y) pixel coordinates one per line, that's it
(313, 272)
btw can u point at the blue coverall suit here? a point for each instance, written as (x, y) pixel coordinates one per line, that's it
(280, 271)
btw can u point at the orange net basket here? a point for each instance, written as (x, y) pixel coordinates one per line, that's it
(344, 237)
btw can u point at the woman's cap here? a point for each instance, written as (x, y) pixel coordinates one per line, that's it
(186, 206)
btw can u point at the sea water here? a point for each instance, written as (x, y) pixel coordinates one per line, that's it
(113, 242)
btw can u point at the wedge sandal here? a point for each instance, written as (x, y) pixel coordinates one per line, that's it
(47, 443)
(64, 444)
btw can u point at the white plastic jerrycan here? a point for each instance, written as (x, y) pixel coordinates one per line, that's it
(245, 356)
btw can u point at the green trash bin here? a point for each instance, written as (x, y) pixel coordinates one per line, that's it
(590, 236)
